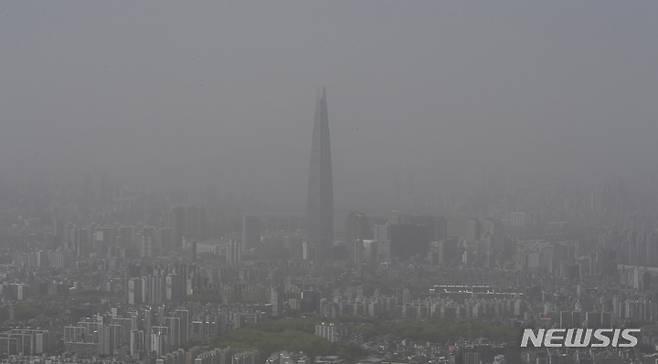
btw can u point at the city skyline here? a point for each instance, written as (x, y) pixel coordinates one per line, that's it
(173, 192)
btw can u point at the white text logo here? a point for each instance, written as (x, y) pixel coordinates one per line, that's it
(580, 338)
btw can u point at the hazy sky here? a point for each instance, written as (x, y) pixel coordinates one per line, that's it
(422, 94)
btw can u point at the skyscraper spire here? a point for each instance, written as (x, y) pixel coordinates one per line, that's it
(320, 199)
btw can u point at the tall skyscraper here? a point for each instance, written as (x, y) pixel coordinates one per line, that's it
(320, 200)
(251, 231)
(233, 253)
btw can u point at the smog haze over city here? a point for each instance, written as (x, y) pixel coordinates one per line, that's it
(326, 181)
(424, 98)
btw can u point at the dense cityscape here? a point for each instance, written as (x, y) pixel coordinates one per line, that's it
(119, 275)
(327, 182)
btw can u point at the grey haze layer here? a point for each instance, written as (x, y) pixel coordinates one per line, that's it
(428, 94)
